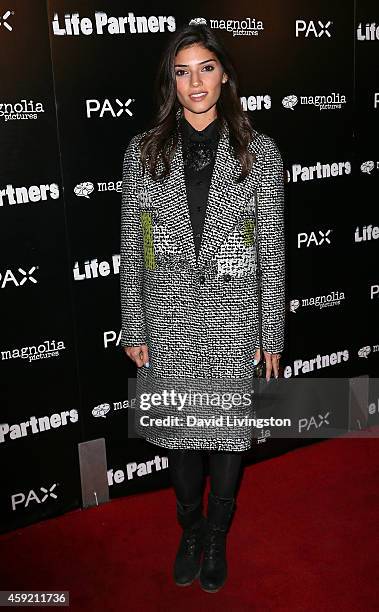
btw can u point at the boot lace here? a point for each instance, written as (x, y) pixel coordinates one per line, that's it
(190, 541)
(214, 544)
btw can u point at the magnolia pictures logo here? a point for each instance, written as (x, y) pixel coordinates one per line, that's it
(368, 166)
(249, 26)
(86, 188)
(45, 350)
(332, 101)
(24, 109)
(101, 410)
(365, 351)
(334, 298)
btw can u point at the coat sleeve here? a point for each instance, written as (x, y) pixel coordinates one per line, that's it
(272, 248)
(131, 252)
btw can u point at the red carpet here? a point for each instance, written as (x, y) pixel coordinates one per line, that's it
(304, 537)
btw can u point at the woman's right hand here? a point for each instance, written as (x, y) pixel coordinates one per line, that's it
(138, 354)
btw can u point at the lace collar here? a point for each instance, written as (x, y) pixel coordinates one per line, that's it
(208, 135)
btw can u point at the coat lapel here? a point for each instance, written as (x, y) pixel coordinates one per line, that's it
(224, 202)
(177, 215)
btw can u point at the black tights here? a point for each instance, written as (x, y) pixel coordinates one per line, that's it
(186, 471)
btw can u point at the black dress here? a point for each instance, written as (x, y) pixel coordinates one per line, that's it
(199, 153)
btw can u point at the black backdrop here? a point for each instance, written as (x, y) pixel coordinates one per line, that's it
(72, 96)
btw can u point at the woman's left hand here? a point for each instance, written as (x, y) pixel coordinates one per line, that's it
(272, 362)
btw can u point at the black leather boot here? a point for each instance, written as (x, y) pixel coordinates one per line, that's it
(188, 557)
(213, 571)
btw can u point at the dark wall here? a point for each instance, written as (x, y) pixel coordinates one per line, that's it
(71, 98)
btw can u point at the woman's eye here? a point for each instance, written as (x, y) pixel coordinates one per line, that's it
(180, 72)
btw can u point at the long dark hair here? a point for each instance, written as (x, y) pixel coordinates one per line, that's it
(159, 143)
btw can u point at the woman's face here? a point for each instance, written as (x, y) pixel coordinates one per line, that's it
(198, 71)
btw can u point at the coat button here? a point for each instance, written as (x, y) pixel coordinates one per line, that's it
(227, 277)
(202, 280)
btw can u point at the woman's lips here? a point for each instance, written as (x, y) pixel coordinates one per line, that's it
(198, 97)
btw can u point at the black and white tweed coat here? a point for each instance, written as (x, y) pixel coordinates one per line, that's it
(199, 317)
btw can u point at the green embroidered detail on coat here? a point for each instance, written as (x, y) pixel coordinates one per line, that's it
(248, 232)
(148, 241)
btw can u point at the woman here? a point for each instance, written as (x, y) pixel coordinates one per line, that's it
(189, 282)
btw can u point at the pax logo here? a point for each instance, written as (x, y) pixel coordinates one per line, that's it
(315, 29)
(316, 238)
(4, 20)
(18, 278)
(313, 422)
(108, 108)
(40, 496)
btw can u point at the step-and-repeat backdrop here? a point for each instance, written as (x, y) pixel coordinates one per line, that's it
(76, 84)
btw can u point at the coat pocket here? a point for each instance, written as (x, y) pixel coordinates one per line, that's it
(148, 240)
(237, 256)
(248, 231)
